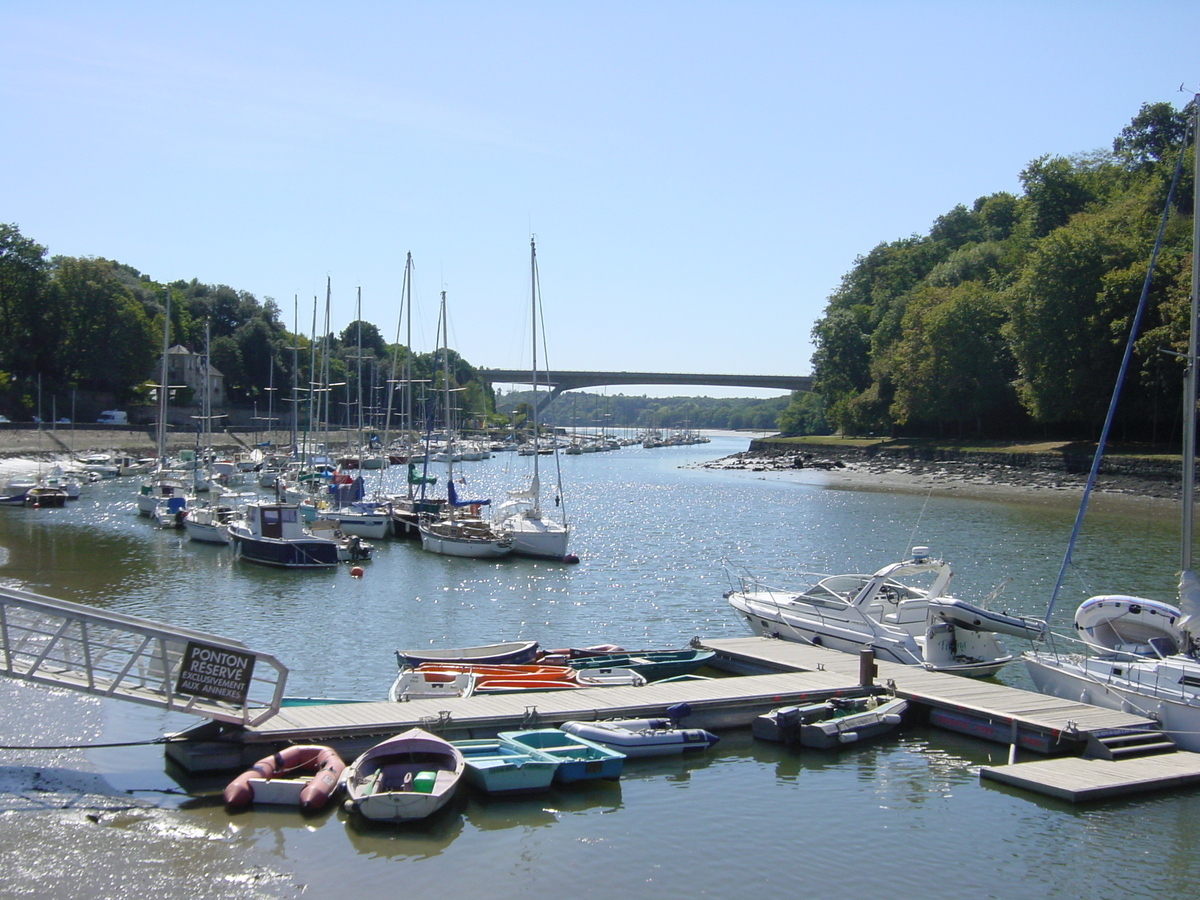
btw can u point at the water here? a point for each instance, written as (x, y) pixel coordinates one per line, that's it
(906, 816)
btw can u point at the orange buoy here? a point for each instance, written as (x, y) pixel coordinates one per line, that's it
(356, 572)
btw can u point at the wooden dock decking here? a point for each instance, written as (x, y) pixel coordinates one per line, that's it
(1001, 713)
(718, 703)
(981, 708)
(1078, 780)
(772, 673)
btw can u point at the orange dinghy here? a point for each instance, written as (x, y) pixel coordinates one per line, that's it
(273, 778)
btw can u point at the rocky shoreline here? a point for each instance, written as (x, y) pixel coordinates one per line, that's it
(964, 473)
(874, 466)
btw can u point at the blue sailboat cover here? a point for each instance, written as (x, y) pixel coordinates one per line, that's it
(454, 501)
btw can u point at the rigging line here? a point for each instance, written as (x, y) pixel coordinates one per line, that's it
(161, 740)
(1112, 406)
(912, 534)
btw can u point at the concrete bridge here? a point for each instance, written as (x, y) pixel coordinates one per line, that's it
(561, 381)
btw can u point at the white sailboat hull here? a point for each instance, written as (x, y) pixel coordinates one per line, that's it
(1142, 688)
(538, 537)
(456, 541)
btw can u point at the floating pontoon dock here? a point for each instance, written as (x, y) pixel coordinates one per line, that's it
(773, 673)
(1135, 756)
(240, 691)
(718, 703)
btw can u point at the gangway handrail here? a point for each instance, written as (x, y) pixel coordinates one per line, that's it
(110, 654)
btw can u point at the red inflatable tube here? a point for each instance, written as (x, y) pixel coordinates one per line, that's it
(322, 762)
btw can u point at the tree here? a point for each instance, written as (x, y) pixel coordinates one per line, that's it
(952, 366)
(108, 341)
(805, 414)
(1060, 330)
(1155, 133)
(24, 318)
(372, 341)
(1056, 190)
(841, 364)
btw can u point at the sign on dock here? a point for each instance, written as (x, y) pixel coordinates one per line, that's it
(63, 644)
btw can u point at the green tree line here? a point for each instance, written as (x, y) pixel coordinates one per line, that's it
(95, 326)
(1010, 317)
(588, 410)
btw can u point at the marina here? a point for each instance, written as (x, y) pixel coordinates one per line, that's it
(1019, 718)
(634, 586)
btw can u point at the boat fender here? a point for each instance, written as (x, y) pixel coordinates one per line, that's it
(570, 559)
(848, 737)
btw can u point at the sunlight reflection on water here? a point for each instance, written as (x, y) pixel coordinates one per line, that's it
(747, 818)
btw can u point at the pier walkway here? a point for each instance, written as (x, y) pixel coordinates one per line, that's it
(718, 703)
(1005, 714)
(772, 673)
(980, 708)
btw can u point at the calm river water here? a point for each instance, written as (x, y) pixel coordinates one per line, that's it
(907, 817)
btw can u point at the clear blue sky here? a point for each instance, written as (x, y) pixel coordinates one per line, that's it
(699, 175)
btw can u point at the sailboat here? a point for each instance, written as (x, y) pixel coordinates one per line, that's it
(1143, 655)
(409, 509)
(163, 487)
(459, 531)
(533, 532)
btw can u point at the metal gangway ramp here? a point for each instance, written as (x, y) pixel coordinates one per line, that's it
(62, 644)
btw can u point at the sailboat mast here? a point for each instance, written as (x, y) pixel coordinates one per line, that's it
(358, 367)
(1193, 361)
(295, 367)
(533, 333)
(446, 393)
(162, 387)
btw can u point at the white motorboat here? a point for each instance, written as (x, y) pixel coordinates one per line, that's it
(56, 477)
(159, 487)
(901, 611)
(209, 524)
(1141, 655)
(16, 489)
(170, 512)
(369, 520)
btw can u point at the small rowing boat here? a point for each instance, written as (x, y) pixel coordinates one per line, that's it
(578, 758)
(500, 766)
(505, 652)
(407, 777)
